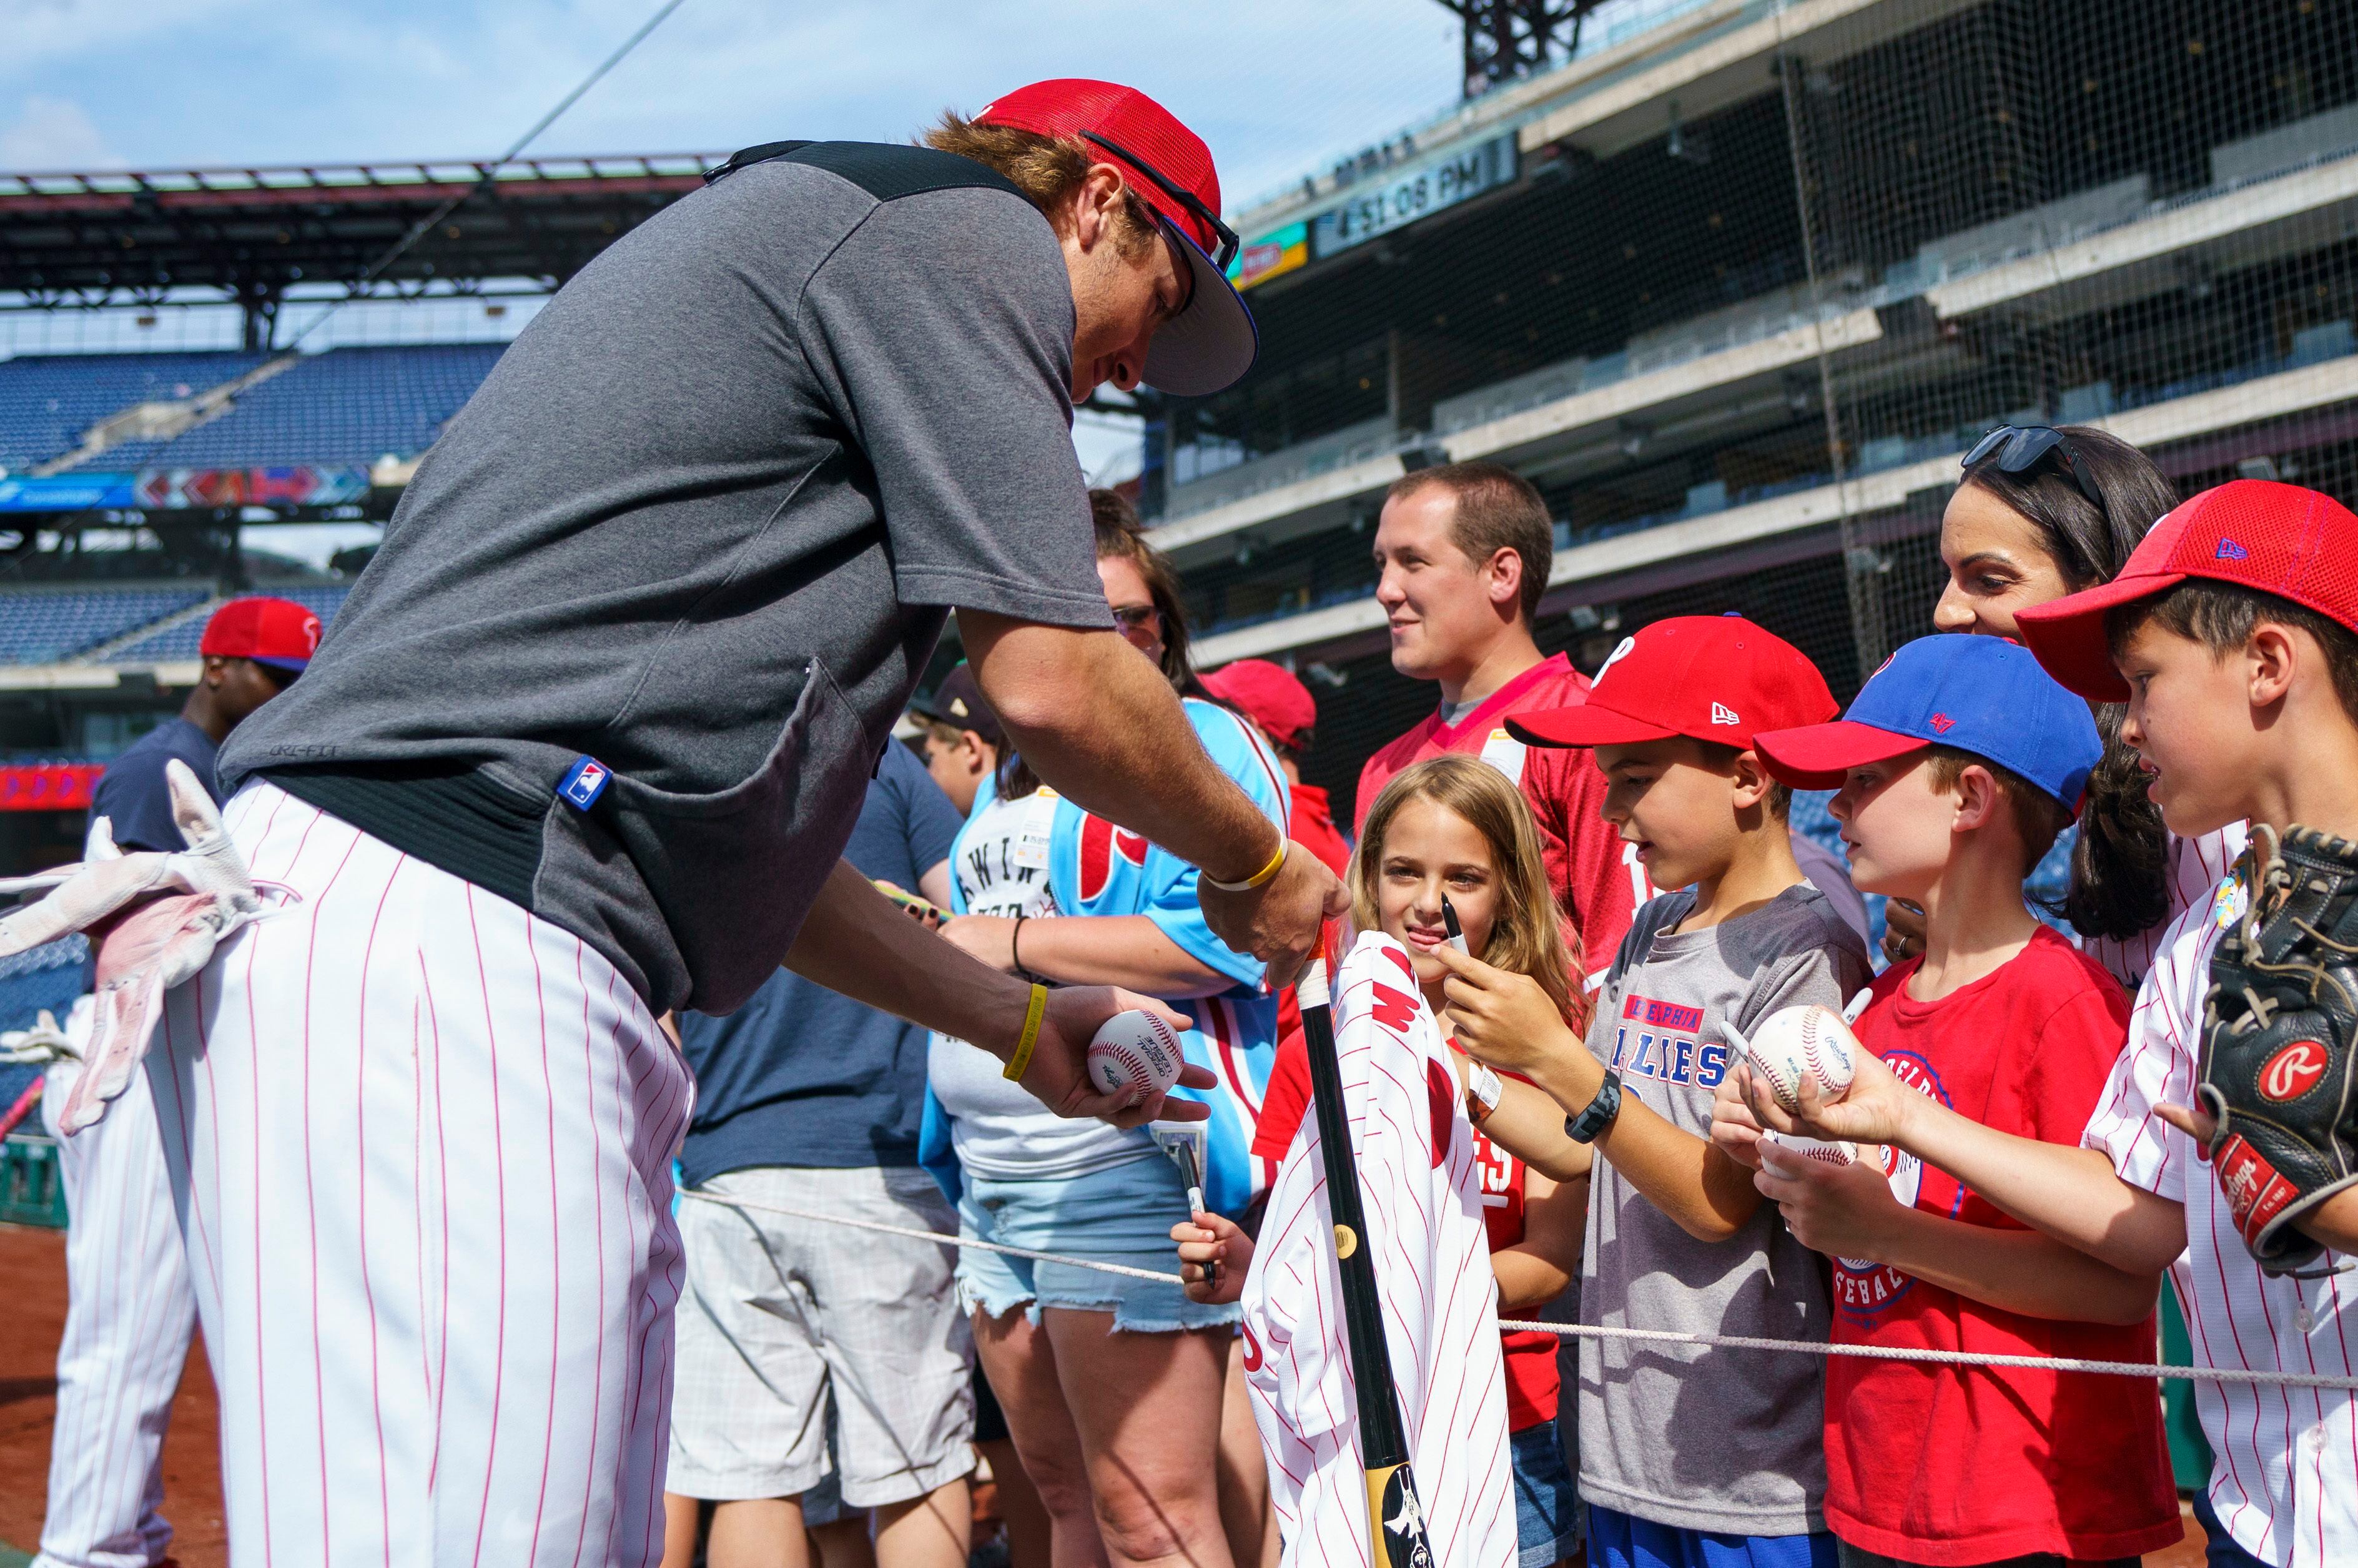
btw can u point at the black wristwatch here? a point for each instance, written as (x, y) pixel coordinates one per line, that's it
(1583, 1128)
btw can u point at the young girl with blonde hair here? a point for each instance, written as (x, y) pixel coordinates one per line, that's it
(1455, 828)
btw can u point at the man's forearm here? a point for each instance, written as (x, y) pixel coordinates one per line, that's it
(855, 941)
(1097, 720)
(1127, 950)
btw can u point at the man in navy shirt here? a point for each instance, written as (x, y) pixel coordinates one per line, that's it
(127, 1334)
(253, 650)
(808, 1101)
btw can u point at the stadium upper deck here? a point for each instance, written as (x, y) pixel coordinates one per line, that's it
(1738, 293)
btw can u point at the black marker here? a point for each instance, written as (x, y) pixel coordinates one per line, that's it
(1456, 931)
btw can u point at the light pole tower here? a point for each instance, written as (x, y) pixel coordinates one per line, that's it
(1508, 38)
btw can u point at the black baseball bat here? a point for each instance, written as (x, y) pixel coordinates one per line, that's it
(1395, 1518)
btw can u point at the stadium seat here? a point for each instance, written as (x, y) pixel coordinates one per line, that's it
(179, 641)
(47, 401)
(41, 627)
(348, 406)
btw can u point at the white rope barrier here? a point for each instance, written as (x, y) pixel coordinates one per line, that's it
(1644, 1336)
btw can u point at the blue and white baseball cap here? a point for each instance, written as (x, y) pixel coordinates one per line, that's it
(1984, 695)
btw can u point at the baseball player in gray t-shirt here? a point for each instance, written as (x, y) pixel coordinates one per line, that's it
(585, 746)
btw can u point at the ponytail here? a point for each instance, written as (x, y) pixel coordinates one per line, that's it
(2119, 886)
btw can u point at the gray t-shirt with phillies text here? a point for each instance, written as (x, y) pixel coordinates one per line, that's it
(1721, 1440)
(641, 623)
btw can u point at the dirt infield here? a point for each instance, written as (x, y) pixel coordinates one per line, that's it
(33, 1281)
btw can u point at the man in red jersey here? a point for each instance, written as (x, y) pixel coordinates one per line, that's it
(1465, 550)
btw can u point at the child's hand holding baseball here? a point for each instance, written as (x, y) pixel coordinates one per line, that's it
(1843, 1211)
(1877, 1108)
(1214, 1255)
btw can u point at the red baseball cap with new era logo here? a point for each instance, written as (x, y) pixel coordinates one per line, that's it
(2295, 543)
(1208, 346)
(1714, 677)
(274, 631)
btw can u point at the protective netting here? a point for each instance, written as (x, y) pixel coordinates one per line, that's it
(1739, 330)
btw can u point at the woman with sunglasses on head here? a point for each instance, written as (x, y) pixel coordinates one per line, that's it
(2042, 512)
(1113, 1388)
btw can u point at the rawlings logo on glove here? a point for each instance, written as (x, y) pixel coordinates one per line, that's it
(2279, 1023)
(154, 920)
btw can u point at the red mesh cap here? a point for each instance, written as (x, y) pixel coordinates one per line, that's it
(276, 631)
(2295, 543)
(1211, 345)
(1276, 700)
(1714, 677)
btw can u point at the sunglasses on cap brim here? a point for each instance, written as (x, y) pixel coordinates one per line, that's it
(2018, 449)
(1188, 199)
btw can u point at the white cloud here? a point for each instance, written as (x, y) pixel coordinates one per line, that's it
(54, 134)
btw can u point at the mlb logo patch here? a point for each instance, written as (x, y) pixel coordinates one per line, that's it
(583, 783)
(2230, 551)
(1722, 714)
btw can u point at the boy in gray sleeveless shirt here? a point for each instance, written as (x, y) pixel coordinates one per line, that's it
(1688, 1452)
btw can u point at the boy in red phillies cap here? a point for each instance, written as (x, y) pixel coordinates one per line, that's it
(1678, 1236)
(2232, 634)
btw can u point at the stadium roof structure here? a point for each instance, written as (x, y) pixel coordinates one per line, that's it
(253, 234)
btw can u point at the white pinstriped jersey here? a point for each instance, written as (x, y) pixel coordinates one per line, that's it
(2285, 1478)
(1423, 1194)
(2197, 866)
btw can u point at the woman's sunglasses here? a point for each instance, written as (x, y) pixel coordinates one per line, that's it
(2018, 449)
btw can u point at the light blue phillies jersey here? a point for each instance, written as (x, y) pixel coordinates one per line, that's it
(1097, 868)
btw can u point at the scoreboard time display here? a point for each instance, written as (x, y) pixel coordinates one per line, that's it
(1415, 192)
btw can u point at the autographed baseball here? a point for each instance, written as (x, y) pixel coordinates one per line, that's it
(1134, 1049)
(1819, 1149)
(1796, 1043)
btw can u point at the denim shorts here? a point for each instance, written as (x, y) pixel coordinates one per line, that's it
(1547, 1506)
(1123, 1214)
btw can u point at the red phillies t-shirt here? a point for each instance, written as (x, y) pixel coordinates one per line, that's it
(1533, 1382)
(1953, 1465)
(1598, 882)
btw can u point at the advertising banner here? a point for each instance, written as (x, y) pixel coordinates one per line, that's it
(1271, 255)
(185, 489)
(47, 786)
(67, 492)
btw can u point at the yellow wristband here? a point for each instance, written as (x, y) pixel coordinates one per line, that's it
(1259, 877)
(1032, 1016)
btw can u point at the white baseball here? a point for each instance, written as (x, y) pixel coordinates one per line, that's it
(1131, 1050)
(1798, 1043)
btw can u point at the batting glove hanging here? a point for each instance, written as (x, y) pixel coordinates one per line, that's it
(154, 920)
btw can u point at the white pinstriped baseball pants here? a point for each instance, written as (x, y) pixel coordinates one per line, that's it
(421, 1145)
(127, 1334)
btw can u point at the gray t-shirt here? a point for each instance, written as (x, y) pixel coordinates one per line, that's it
(1713, 1440)
(699, 529)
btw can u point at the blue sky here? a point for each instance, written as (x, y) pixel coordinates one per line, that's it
(1278, 87)
(1272, 84)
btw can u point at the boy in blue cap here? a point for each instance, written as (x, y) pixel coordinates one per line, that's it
(1957, 766)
